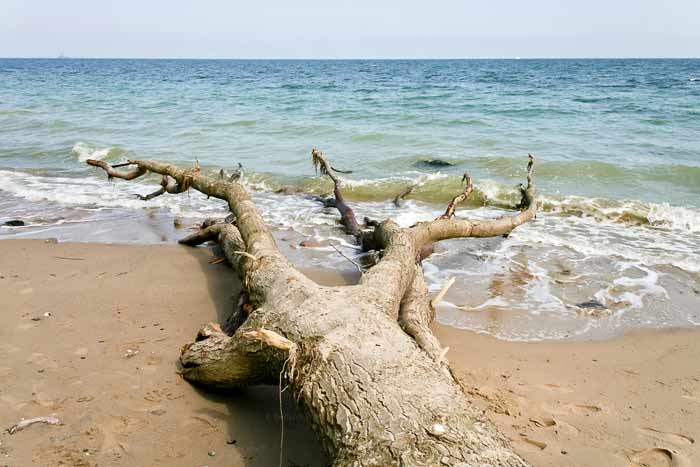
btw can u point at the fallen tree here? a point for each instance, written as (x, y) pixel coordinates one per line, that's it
(360, 360)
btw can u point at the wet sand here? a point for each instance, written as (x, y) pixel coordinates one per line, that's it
(91, 334)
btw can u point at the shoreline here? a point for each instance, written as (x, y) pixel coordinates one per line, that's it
(103, 362)
(158, 227)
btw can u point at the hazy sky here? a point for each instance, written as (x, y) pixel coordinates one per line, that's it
(350, 29)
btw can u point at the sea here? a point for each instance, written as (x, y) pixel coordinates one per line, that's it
(615, 246)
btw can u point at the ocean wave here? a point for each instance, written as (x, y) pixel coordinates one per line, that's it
(433, 190)
(440, 188)
(236, 123)
(93, 193)
(15, 111)
(85, 151)
(687, 176)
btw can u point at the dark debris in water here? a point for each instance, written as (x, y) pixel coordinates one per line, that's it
(432, 164)
(591, 304)
(14, 223)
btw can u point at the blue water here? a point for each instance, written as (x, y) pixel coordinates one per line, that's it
(617, 144)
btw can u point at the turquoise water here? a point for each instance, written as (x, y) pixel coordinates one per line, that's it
(617, 144)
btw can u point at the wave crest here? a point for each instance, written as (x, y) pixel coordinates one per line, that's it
(440, 188)
(86, 151)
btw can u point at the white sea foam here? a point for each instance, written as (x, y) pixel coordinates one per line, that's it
(84, 151)
(417, 178)
(93, 193)
(616, 263)
(675, 217)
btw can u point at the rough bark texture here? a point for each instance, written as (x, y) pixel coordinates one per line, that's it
(361, 361)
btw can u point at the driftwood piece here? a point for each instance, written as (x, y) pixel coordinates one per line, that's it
(22, 424)
(367, 372)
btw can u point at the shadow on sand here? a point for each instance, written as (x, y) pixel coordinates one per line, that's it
(253, 415)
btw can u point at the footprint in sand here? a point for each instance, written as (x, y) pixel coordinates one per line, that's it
(678, 439)
(555, 388)
(530, 443)
(543, 422)
(120, 425)
(658, 457)
(628, 373)
(153, 360)
(575, 409)
(158, 395)
(695, 397)
(585, 409)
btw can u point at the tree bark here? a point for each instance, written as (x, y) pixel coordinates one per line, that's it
(361, 361)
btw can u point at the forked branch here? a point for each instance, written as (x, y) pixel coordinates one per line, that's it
(444, 228)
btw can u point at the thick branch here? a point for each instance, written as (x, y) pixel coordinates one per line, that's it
(230, 240)
(444, 228)
(114, 173)
(265, 277)
(416, 314)
(253, 230)
(218, 361)
(389, 279)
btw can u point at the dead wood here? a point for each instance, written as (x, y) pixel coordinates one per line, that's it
(361, 360)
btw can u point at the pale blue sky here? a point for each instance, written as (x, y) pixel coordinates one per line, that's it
(350, 29)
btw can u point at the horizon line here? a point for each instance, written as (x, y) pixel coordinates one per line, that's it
(62, 57)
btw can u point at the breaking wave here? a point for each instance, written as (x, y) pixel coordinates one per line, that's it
(85, 151)
(439, 188)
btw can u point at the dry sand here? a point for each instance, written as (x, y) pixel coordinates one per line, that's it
(104, 362)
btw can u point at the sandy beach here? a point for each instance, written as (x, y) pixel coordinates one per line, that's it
(91, 334)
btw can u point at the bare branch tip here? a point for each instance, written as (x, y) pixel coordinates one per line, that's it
(319, 162)
(438, 298)
(467, 179)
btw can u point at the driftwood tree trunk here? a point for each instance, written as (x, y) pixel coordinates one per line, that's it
(361, 361)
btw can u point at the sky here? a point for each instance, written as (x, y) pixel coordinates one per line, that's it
(349, 29)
